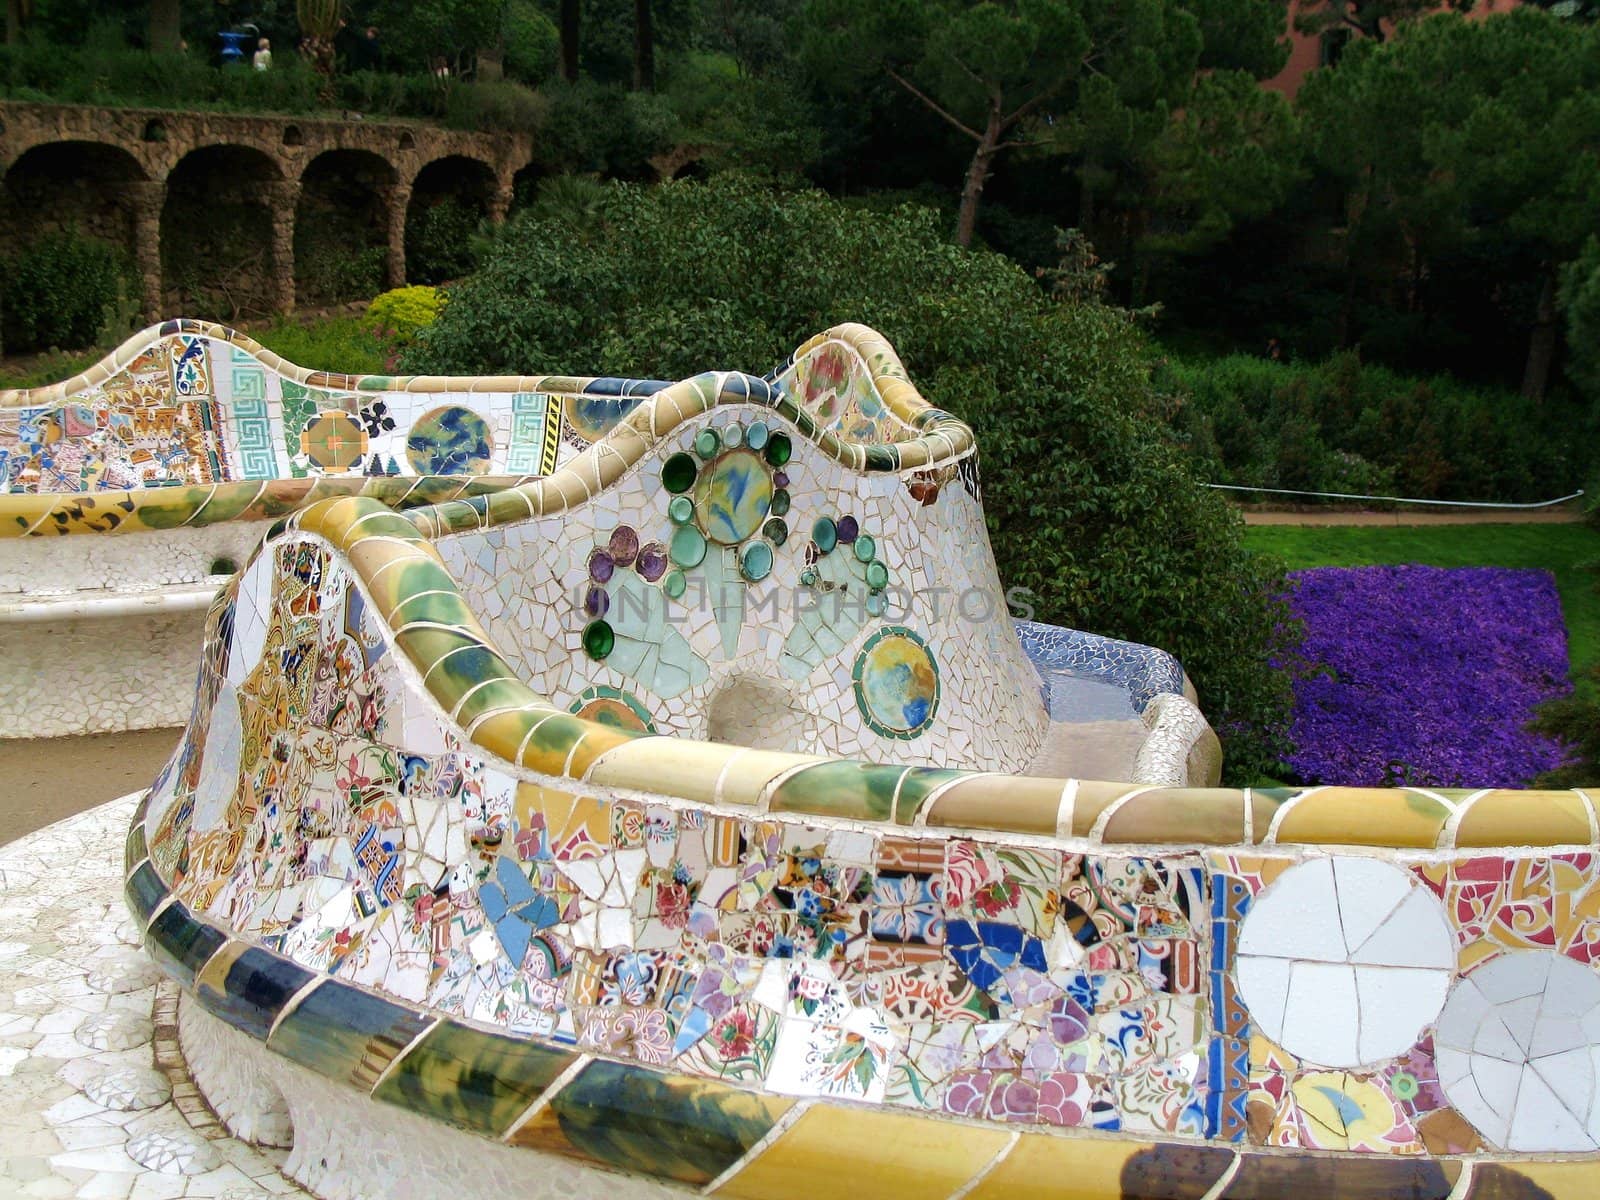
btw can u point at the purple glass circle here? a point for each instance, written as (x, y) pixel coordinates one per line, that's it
(652, 561)
(780, 479)
(624, 545)
(601, 566)
(596, 603)
(848, 529)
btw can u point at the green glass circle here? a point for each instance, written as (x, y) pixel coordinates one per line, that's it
(865, 548)
(875, 604)
(732, 497)
(707, 443)
(877, 575)
(688, 546)
(756, 561)
(733, 436)
(825, 534)
(598, 639)
(674, 583)
(756, 435)
(778, 449)
(678, 472)
(776, 531)
(808, 577)
(681, 510)
(780, 502)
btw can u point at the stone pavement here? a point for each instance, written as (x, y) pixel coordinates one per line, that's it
(95, 1101)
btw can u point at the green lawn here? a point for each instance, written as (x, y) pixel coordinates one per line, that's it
(1561, 549)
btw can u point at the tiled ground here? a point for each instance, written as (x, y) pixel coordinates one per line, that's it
(81, 1014)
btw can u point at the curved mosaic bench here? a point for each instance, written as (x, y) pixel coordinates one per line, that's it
(196, 438)
(474, 935)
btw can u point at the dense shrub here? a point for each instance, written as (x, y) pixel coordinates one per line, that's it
(402, 313)
(1344, 426)
(345, 345)
(1088, 506)
(61, 291)
(439, 242)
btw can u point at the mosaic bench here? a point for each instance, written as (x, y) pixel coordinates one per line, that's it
(516, 847)
(195, 438)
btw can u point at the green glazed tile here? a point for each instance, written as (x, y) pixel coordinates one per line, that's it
(479, 1081)
(346, 1034)
(668, 1126)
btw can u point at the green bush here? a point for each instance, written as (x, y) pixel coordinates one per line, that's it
(1089, 507)
(497, 105)
(61, 291)
(604, 128)
(398, 315)
(1344, 426)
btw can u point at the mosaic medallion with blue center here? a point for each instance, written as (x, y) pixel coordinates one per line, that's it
(733, 497)
(449, 441)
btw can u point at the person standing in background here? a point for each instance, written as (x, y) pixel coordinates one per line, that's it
(262, 60)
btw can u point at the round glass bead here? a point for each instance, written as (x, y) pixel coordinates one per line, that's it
(681, 510)
(624, 545)
(866, 548)
(848, 529)
(780, 479)
(733, 436)
(779, 448)
(688, 546)
(756, 561)
(706, 443)
(877, 575)
(595, 601)
(780, 502)
(601, 566)
(598, 639)
(824, 534)
(875, 604)
(756, 435)
(674, 584)
(775, 531)
(652, 561)
(678, 472)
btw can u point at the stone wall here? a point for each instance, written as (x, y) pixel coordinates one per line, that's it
(108, 170)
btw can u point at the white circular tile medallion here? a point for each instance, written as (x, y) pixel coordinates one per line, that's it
(1344, 961)
(1517, 1048)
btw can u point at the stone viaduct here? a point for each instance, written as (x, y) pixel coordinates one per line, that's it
(151, 181)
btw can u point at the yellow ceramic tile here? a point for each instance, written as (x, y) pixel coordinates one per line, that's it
(999, 802)
(868, 1153)
(1363, 816)
(1045, 1167)
(678, 767)
(1507, 818)
(1092, 799)
(1560, 1180)
(1209, 816)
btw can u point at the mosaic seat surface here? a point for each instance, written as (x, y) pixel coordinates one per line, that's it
(635, 830)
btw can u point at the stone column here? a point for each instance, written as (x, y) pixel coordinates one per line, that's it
(146, 198)
(397, 197)
(500, 200)
(283, 196)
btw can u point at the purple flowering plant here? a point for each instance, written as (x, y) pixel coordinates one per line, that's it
(1426, 675)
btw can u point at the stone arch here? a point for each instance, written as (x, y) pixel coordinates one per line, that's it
(81, 187)
(223, 229)
(525, 185)
(341, 226)
(449, 196)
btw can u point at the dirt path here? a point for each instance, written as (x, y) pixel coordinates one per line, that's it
(51, 778)
(1504, 516)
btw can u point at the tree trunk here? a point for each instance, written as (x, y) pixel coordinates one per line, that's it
(644, 48)
(1542, 342)
(977, 176)
(164, 26)
(14, 22)
(569, 40)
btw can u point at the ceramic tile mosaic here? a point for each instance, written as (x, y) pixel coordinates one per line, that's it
(444, 841)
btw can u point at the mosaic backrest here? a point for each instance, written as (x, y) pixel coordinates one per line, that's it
(383, 853)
